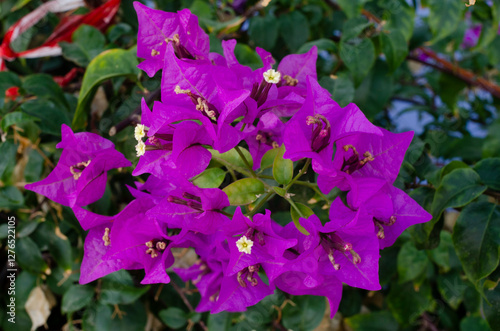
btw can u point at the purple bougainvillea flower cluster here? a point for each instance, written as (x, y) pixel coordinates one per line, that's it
(210, 104)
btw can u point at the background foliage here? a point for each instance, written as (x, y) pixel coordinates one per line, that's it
(406, 65)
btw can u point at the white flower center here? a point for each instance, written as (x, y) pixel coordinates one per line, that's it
(272, 76)
(139, 132)
(140, 148)
(244, 245)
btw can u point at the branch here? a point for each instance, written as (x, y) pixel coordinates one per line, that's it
(187, 303)
(134, 116)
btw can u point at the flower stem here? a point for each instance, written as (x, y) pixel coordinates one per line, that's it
(247, 164)
(301, 172)
(261, 203)
(294, 206)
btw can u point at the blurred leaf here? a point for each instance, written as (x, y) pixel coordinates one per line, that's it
(341, 89)
(88, 42)
(322, 44)
(28, 255)
(220, 321)
(376, 321)
(353, 27)
(305, 211)
(11, 197)
(444, 17)
(264, 31)
(394, 47)
(117, 31)
(351, 8)
(306, 314)
(411, 262)
(474, 323)
(173, 317)
(109, 64)
(15, 118)
(244, 191)
(282, 168)
(452, 288)
(374, 93)
(8, 150)
(118, 288)
(399, 16)
(358, 57)
(100, 317)
(267, 160)
(77, 297)
(233, 157)
(476, 237)
(488, 170)
(210, 178)
(50, 115)
(491, 309)
(351, 301)
(294, 29)
(444, 255)
(44, 87)
(407, 304)
(7, 80)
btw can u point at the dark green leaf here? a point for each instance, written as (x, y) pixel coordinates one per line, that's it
(341, 88)
(7, 80)
(411, 262)
(407, 304)
(173, 317)
(305, 211)
(358, 57)
(394, 47)
(488, 170)
(8, 150)
(377, 321)
(44, 87)
(444, 17)
(353, 27)
(88, 42)
(11, 197)
(322, 44)
(351, 7)
(491, 309)
(118, 288)
(77, 297)
(15, 118)
(50, 115)
(294, 29)
(244, 191)
(474, 323)
(306, 314)
(399, 16)
(476, 238)
(452, 288)
(264, 31)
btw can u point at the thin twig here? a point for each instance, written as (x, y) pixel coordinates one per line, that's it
(187, 303)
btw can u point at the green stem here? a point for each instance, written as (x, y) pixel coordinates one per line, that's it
(261, 203)
(223, 212)
(301, 172)
(294, 206)
(315, 188)
(243, 127)
(247, 164)
(232, 166)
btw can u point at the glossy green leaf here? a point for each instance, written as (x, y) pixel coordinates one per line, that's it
(76, 298)
(399, 16)
(8, 150)
(233, 157)
(44, 87)
(407, 304)
(489, 172)
(244, 191)
(11, 197)
(394, 47)
(50, 115)
(354, 26)
(267, 160)
(173, 317)
(411, 262)
(282, 168)
(15, 118)
(87, 43)
(119, 288)
(109, 64)
(264, 31)
(476, 238)
(210, 178)
(306, 314)
(305, 211)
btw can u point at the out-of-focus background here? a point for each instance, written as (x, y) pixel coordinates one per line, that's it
(431, 66)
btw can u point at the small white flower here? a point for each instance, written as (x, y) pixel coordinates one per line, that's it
(139, 132)
(244, 245)
(140, 148)
(272, 76)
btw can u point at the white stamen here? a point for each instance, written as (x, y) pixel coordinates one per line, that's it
(140, 148)
(244, 245)
(178, 90)
(105, 237)
(139, 132)
(272, 76)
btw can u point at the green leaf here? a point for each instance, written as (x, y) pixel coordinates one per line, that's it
(358, 57)
(119, 288)
(50, 115)
(8, 150)
(210, 178)
(351, 8)
(322, 44)
(173, 317)
(15, 118)
(399, 17)
(88, 42)
(264, 31)
(407, 304)
(488, 172)
(353, 27)
(411, 262)
(244, 191)
(282, 168)
(44, 87)
(107, 65)
(375, 91)
(11, 198)
(220, 321)
(77, 297)
(294, 29)
(474, 323)
(233, 157)
(395, 48)
(444, 17)
(267, 160)
(7, 80)
(476, 237)
(457, 189)
(305, 211)
(306, 314)
(444, 255)
(100, 317)
(452, 288)
(341, 88)
(491, 308)
(376, 321)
